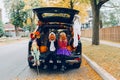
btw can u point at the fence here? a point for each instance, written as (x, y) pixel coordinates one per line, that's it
(109, 34)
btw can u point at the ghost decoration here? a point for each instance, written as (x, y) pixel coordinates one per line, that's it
(76, 30)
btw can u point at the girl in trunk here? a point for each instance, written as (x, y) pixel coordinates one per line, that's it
(62, 51)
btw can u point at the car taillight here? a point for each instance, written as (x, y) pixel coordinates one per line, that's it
(78, 59)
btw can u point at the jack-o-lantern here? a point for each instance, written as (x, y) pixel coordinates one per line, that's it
(43, 49)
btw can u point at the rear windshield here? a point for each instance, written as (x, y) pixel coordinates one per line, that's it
(56, 15)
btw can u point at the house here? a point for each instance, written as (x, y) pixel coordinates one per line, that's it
(10, 30)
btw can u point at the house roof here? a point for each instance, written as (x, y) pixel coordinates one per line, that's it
(9, 27)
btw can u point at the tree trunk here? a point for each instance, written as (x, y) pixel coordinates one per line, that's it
(96, 22)
(16, 31)
(95, 29)
(71, 4)
(101, 24)
(32, 23)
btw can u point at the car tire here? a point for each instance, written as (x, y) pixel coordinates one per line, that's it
(30, 64)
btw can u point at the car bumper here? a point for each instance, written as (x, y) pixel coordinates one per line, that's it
(59, 61)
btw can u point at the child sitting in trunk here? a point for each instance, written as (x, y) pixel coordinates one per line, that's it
(62, 51)
(52, 47)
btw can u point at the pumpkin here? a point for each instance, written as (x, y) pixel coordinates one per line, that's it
(69, 48)
(43, 49)
(37, 34)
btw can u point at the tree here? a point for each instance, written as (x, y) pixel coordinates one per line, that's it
(96, 5)
(16, 14)
(1, 29)
(110, 20)
(81, 5)
(29, 5)
(110, 13)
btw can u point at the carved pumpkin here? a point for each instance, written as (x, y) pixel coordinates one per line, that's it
(69, 48)
(43, 49)
(37, 34)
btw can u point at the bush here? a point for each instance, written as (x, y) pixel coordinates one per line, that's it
(1, 32)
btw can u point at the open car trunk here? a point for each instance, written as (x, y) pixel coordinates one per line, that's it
(55, 14)
(56, 20)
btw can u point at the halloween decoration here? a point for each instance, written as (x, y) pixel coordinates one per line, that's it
(76, 30)
(32, 36)
(35, 53)
(69, 48)
(43, 49)
(37, 34)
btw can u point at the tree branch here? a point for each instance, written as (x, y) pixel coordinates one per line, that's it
(101, 2)
(111, 6)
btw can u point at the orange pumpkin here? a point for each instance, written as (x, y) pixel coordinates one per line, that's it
(69, 48)
(37, 34)
(43, 49)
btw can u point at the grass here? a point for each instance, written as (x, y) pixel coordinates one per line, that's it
(106, 56)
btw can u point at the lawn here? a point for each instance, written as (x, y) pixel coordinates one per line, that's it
(106, 56)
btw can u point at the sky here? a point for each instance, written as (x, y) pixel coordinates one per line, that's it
(4, 15)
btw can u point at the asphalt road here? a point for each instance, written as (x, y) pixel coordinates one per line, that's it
(13, 65)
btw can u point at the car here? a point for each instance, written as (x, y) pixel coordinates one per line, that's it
(55, 19)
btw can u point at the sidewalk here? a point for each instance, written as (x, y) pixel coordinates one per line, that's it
(106, 55)
(6, 41)
(104, 42)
